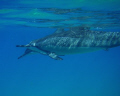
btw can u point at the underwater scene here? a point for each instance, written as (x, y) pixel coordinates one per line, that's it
(60, 48)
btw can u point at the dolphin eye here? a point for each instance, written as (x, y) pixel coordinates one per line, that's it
(33, 44)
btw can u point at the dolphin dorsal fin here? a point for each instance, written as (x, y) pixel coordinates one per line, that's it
(59, 30)
(81, 28)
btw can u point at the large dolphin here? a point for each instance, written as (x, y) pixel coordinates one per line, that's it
(73, 41)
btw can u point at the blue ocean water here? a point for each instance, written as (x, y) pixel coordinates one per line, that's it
(90, 74)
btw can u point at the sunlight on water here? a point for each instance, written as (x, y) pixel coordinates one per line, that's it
(92, 4)
(35, 14)
(52, 13)
(54, 17)
(4, 11)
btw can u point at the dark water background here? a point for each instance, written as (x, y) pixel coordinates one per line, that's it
(90, 74)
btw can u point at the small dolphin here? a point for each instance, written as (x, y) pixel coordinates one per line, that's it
(76, 40)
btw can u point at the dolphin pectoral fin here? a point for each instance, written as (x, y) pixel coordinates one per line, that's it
(50, 54)
(54, 56)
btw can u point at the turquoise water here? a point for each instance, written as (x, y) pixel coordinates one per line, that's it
(90, 74)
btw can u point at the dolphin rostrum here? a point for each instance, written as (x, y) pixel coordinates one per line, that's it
(73, 41)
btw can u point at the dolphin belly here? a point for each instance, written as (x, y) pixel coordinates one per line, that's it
(68, 51)
(35, 49)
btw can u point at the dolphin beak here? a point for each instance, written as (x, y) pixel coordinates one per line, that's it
(23, 45)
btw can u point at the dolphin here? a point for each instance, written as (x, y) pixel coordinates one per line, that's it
(75, 40)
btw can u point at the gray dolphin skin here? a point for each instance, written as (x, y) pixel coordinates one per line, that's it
(75, 40)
